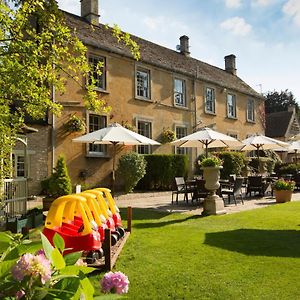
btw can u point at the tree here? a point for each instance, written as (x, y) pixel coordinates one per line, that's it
(38, 51)
(275, 101)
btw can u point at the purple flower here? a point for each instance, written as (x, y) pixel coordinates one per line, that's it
(19, 294)
(115, 282)
(32, 265)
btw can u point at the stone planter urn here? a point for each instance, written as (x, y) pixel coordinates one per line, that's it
(282, 196)
(213, 204)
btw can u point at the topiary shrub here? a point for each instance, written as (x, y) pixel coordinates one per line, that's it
(233, 163)
(132, 167)
(288, 168)
(59, 183)
(263, 165)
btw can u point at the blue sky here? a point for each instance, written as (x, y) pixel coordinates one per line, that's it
(263, 34)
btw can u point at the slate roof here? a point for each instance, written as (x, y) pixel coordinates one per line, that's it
(157, 55)
(277, 123)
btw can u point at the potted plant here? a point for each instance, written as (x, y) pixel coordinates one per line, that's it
(167, 136)
(213, 204)
(74, 124)
(283, 190)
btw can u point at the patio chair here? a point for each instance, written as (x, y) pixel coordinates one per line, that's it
(235, 191)
(200, 191)
(181, 188)
(257, 184)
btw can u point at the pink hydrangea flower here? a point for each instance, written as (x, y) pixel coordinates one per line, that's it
(32, 265)
(20, 294)
(115, 282)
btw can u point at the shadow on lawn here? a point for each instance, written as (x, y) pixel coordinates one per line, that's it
(282, 243)
(165, 223)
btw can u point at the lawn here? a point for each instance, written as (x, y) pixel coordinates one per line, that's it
(248, 255)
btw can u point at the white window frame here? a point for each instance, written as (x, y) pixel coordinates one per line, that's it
(180, 95)
(250, 110)
(94, 59)
(148, 80)
(180, 150)
(100, 150)
(144, 149)
(231, 107)
(212, 108)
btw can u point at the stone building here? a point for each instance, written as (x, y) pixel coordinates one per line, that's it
(165, 89)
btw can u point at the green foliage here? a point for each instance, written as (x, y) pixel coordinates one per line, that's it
(59, 183)
(263, 165)
(275, 101)
(233, 163)
(162, 169)
(68, 281)
(37, 51)
(167, 136)
(288, 168)
(286, 185)
(132, 167)
(212, 161)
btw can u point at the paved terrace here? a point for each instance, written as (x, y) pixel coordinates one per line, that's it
(162, 201)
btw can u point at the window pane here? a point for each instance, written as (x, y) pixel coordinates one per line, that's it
(144, 128)
(100, 79)
(210, 100)
(20, 166)
(181, 132)
(97, 122)
(179, 92)
(142, 82)
(250, 110)
(231, 106)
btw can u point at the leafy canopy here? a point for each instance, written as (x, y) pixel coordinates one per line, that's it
(276, 101)
(37, 52)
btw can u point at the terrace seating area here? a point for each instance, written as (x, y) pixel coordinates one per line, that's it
(235, 190)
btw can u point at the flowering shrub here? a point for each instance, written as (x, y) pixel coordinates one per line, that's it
(47, 273)
(286, 185)
(115, 282)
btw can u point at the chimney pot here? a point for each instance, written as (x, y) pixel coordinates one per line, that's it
(89, 11)
(184, 45)
(230, 64)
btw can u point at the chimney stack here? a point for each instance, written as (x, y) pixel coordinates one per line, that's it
(184, 45)
(230, 64)
(89, 11)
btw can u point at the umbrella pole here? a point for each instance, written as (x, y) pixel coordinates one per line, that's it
(206, 149)
(258, 159)
(113, 170)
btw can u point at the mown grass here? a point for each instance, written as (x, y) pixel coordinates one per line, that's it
(248, 255)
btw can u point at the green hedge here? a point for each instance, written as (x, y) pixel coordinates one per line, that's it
(287, 168)
(233, 163)
(161, 170)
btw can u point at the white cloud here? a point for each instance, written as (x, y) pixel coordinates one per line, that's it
(237, 26)
(233, 3)
(262, 2)
(292, 9)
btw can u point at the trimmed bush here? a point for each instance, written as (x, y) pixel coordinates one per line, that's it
(162, 169)
(233, 163)
(264, 165)
(289, 168)
(59, 183)
(132, 167)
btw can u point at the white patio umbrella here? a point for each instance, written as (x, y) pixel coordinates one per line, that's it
(115, 134)
(262, 142)
(294, 147)
(207, 138)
